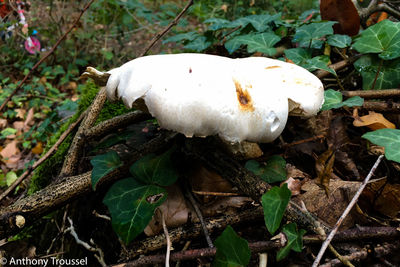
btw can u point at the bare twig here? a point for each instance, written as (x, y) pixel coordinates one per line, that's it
(346, 212)
(164, 31)
(42, 159)
(169, 245)
(382, 106)
(200, 216)
(46, 56)
(336, 66)
(100, 254)
(384, 93)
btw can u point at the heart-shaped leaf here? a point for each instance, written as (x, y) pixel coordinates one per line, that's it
(274, 169)
(104, 164)
(262, 42)
(153, 169)
(389, 139)
(382, 38)
(389, 72)
(232, 250)
(308, 35)
(274, 204)
(131, 205)
(339, 40)
(302, 57)
(334, 99)
(294, 240)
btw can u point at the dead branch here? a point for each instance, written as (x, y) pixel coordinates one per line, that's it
(251, 185)
(336, 66)
(42, 159)
(69, 188)
(384, 93)
(110, 125)
(164, 31)
(373, 7)
(381, 106)
(187, 232)
(71, 159)
(346, 212)
(45, 56)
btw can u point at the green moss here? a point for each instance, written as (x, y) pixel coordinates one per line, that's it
(51, 167)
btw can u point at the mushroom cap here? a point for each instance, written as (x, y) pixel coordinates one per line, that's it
(198, 94)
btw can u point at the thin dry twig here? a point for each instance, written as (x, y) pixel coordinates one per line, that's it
(382, 106)
(164, 31)
(169, 245)
(336, 66)
(345, 213)
(46, 56)
(42, 159)
(373, 93)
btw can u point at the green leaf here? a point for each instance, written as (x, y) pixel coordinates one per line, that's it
(104, 164)
(152, 169)
(302, 57)
(339, 40)
(260, 22)
(199, 44)
(189, 36)
(274, 204)
(294, 240)
(274, 170)
(389, 72)
(383, 38)
(217, 24)
(8, 131)
(389, 139)
(311, 33)
(262, 42)
(334, 99)
(131, 205)
(11, 177)
(232, 250)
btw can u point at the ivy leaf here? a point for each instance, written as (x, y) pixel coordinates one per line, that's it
(295, 240)
(383, 38)
(389, 72)
(308, 35)
(262, 42)
(131, 205)
(274, 204)
(153, 169)
(217, 24)
(199, 44)
(302, 57)
(339, 40)
(334, 99)
(389, 139)
(104, 164)
(274, 170)
(232, 250)
(11, 177)
(260, 22)
(189, 36)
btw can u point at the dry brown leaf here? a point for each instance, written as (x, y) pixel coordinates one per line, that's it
(10, 149)
(342, 11)
(225, 205)
(38, 149)
(20, 113)
(3, 123)
(374, 121)
(324, 169)
(174, 209)
(329, 209)
(294, 186)
(29, 121)
(204, 180)
(383, 197)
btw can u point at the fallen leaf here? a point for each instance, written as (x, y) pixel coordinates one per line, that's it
(294, 186)
(20, 113)
(10, 149)
(329, 209)
(374, 121)
(3, 123)
(324, 169)
(38, 149)
(174, 209)
(29, 121)
(344, 12)
(383, 197)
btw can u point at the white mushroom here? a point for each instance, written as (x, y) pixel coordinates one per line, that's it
(238, 99)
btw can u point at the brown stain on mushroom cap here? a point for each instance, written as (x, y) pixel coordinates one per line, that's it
(272, 67)
(243, 96)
